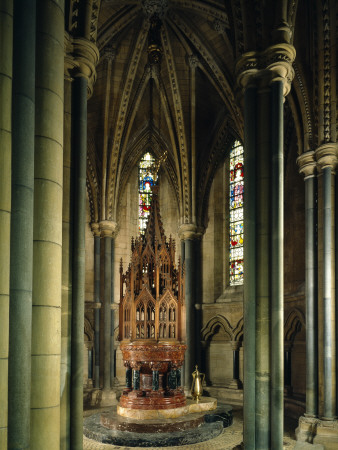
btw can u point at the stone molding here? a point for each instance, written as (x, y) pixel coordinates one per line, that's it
(263, 68)
(307, 164)
(81, 59)
(108, 228)
(188, 231)
(326, 155)
(95, 227)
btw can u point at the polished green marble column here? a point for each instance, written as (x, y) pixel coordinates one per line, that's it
(263, 265)
(21, 278)
(112, 316)
(277, 263)
(97, 244)
(329, 405)
(108, 229)
(6, 58)
(264, 92)
(307, 166)
(47, 250)
(190, 355)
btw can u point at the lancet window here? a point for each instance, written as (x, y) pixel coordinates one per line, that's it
(146, 181)
(236, 212)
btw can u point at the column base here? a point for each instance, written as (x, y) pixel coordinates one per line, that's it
(108, 398)
(306, 429)
(327, 434)
(234, 384)
(322, 433)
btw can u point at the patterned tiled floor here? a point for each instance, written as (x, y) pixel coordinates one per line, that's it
(230, 439)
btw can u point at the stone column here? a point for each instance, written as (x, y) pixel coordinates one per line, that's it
(79, 127)
(80, 59)
(287, 368)
(264, 92)
(235, 382)
(46, 319)
(108, 229)
(66, 307)
(96, 232)
(326, 156)
(307, 166)
(6, 58)
(188, 233)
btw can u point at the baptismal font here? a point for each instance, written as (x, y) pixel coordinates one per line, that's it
(152, 317)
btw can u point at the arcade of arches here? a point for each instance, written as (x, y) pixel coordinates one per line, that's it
(83, 97)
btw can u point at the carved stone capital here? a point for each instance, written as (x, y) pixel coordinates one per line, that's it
(326, 155)
(307, 164)
(81, 58)
(187, 231)
(235, 345)
(108, 228)
(95, 227)
(272, 64)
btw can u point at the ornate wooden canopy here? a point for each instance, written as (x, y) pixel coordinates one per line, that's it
(152, 315)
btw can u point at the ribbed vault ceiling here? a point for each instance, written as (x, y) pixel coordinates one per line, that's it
(178, 106)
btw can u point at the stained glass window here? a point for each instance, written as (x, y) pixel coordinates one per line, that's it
(236, 183)
(146, 180)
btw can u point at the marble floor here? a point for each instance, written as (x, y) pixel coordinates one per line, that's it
(231, 437)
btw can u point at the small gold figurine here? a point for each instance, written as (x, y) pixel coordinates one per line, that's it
(197, 384)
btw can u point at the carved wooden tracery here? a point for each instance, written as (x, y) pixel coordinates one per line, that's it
(151, 317)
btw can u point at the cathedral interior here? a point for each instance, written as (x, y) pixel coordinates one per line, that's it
(226, 111)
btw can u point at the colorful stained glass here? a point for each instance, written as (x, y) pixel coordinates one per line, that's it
(236, 227)
(146, 181)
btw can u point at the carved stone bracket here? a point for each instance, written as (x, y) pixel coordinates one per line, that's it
(307, 164)
(272, 64)
(81, 58)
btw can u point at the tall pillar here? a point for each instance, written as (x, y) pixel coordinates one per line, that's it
(112, 315)
(6, 57)
(46, 323)
(66, 306)
(188, 233)
(108, 229)
(79, 126)
(249, 400)
(21, 278)
(96, 232)
(81, 57)
(307, 166)
(326, 156)
(264, 92)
